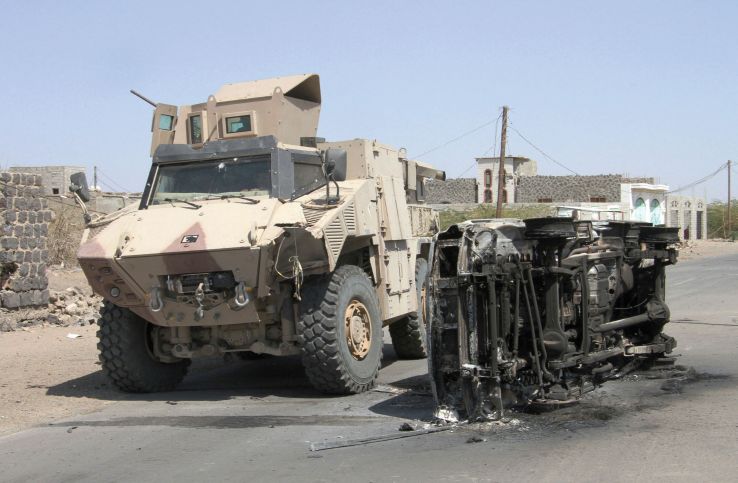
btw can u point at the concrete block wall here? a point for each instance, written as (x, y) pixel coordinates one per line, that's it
(25, 217)
(54, 179)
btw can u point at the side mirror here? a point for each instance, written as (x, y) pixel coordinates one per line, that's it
(336, 163)
(79, 186)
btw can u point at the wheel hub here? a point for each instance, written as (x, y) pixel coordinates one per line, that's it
(358, 329)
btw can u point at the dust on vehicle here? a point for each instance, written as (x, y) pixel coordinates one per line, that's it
(254, 236)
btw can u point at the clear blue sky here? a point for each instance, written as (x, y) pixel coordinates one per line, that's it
(643, 88)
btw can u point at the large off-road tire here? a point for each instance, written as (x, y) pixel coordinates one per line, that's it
(340, 359)
(409, 334)
(126, 356)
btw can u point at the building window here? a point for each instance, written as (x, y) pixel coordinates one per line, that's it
(656, 212)
(488, 196)
(545, 200)
(504, 196)
(639, 210)
(55, 191)
(597, 199)
(487, 178)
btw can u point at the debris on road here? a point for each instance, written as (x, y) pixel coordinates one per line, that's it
(376, 439)
(405, 427)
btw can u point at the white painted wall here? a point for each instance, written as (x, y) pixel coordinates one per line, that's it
(644, 201)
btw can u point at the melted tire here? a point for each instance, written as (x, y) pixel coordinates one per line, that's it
(125, 357)
(326, 356)
(409, 335)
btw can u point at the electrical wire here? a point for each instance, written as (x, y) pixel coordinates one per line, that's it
(105, 184)
(472, 131)
(541, 151)
(492, 148)
(701, 180)
(112, 181)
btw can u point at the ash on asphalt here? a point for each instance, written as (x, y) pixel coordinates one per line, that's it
(639, 392)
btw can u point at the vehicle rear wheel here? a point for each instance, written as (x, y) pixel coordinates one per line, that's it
(409, 334)
(340, 331)
(126, 355)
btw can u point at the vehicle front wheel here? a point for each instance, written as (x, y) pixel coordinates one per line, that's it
(340, 331)
(126, 355)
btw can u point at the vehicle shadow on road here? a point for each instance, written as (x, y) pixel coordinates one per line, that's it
(413, 401)
(215, 380)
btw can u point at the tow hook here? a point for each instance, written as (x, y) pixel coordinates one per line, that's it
(199, 298)
(242, 297)
(156, 303)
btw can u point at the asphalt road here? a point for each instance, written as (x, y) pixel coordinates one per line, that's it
(255, 420)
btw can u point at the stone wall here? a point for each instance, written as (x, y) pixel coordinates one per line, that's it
(25, 218)
(458, 190)
(563, 189)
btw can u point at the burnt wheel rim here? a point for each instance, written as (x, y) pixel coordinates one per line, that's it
(358, 326)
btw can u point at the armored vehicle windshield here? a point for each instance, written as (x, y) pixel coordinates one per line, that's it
(197, 180)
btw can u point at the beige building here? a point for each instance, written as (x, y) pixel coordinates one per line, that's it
(55, 179)
(689, 213)
(488, 170)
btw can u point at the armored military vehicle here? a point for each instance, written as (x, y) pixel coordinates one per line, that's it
(254, 236)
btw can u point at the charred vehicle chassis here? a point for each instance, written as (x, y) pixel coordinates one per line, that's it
(543, 310)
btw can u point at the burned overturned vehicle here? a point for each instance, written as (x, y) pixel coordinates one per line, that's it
(541, 311)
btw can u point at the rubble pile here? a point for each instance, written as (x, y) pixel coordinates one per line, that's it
(73, 306)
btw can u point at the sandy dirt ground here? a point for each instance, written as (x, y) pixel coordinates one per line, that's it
(707, 248)
(41, 368)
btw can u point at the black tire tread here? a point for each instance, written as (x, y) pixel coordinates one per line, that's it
(318, 335)
(129, 367)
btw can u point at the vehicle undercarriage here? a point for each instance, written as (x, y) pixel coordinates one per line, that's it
(542, 311)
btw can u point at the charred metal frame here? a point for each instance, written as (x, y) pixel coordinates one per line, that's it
(540, 311)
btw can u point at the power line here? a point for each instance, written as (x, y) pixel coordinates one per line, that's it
(99, 171)
(701, 180)
(492, 148)
(472, 131)
(542, 152)
(105, 184)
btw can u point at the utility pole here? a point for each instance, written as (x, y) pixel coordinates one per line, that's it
(729, 232)
(94, 177)
(501, 175)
